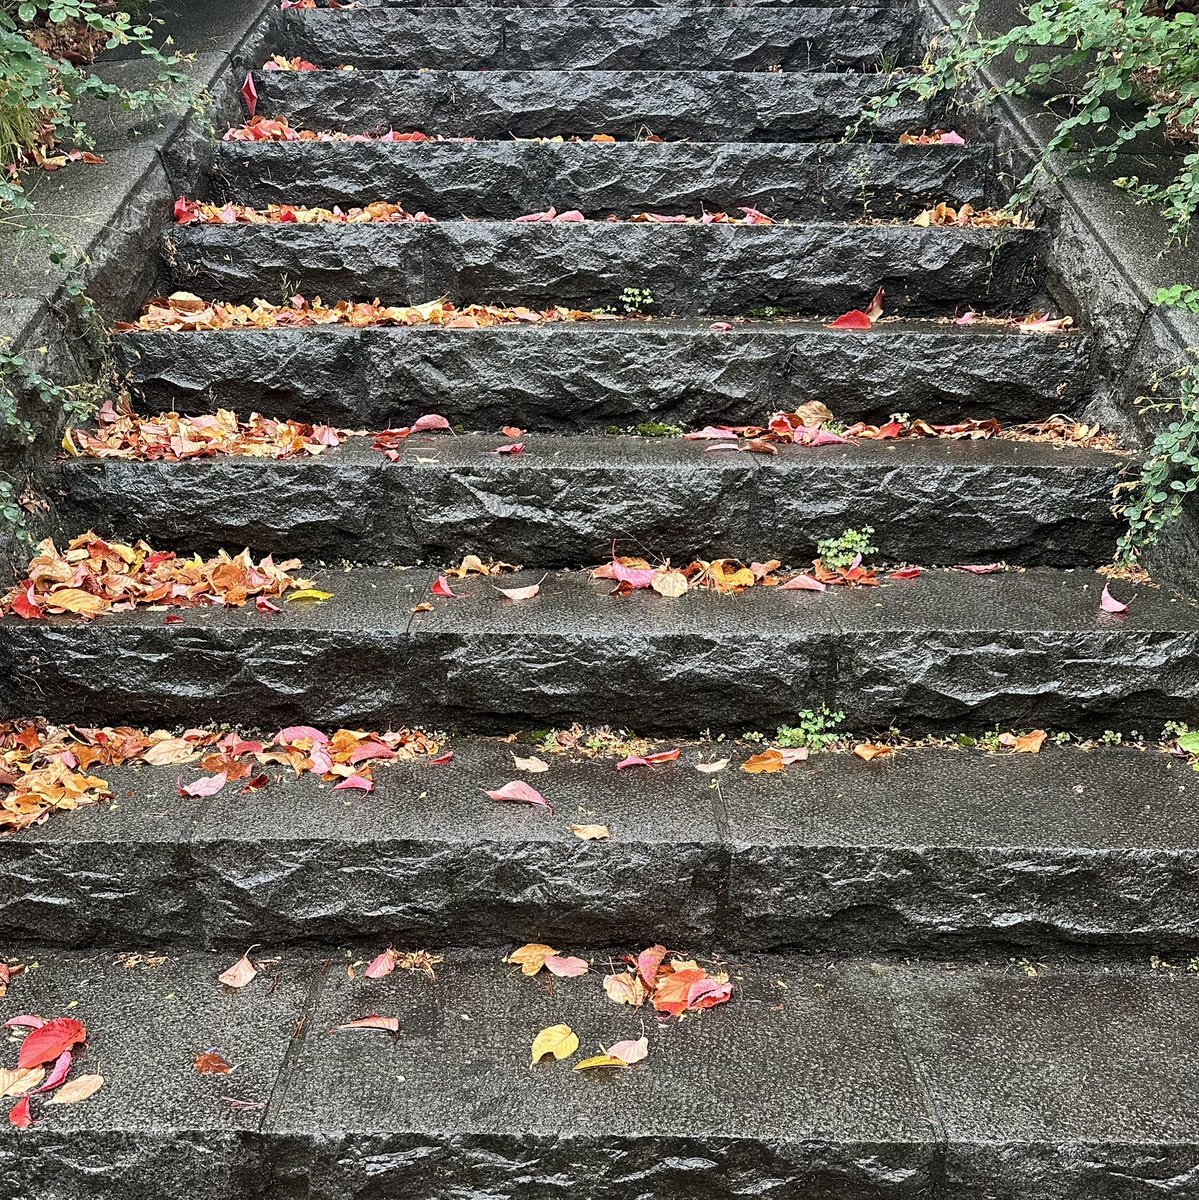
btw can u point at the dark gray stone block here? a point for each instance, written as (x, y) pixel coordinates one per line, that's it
(510, 179)
(718, 106)
(812, 269)
(591, 39)
(589, 376)
(563, 501)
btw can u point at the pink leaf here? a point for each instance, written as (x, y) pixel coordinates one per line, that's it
(367, 750)
(520, 593)
(387, 1024)
(650, 760)
(206, 785)
(1111, 604)
(442, 759)
(720, 327)
(802, 583)
(519, 792)
(427, 422)
(383, 965)
(250, 94)
(513, 448)
(951, 138)
(357, 783)
(300, 733)
(980, 568)
(704, 993)
(565, 968)
(711, 433)
(20, 1115)
(648, 962)
(24, 1021)
(635, 577)
(59, 1072)
(967, 318)
(442, 587)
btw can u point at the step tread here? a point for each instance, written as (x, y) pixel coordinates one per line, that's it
(954, 1063)
(939, 850)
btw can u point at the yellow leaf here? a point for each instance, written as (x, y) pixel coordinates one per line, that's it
(669, 583)
(625, 988)
(76, 600)
(600, 1060)
(309, 595)
(558, 1040)
(531, 957)
(170, 752)
(69, 446)
(591, 833)
(77, 1090)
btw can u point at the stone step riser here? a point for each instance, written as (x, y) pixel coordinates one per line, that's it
(593, 39)
(584, 5)
(510, 179)
(713, 270)
(836, 856)
(942, 652)
(585, 377)
(562, 502)
(703, 106)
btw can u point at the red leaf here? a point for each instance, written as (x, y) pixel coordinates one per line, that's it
(24, 605)
(442, 759)
(802, 583)
(906, 573)
(512, 431)
(519, 792)
(876, 305)
(50, 1041)
(442, 587)
(250, 94)
(20, 1115)
(1110, 604)
(854, 319)
(650, 760)
(513, 448)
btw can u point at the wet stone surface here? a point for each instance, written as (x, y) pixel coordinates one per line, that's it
(718, 106)
(563, 501)
(578, 377)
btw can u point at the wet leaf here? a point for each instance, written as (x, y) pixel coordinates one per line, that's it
(309, 595)
(46, 1043)
(442, 587)
(1110, 604)
(558, 1040)
(520, 593)
(20, 1115)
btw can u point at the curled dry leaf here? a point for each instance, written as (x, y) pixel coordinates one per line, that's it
(773, 759)
(566, 968)
(1110, 604)
(519, 792)
(625, 988)
(211, 1063)
(374, 1021)
(441, 587)
(241, 973)
(78, 1090)
(558, 1040)
(520, 593)
(59, 1072)
(20, 1114)
(309, 595)
(601, 1060)
(591, 833)
(872, 750)
(1030, 743)
(980, 568)
(649, 760)
(533, 765)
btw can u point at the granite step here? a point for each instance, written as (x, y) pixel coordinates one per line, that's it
(563, 500)
(706, 106)
(945, 651)
(509, 178)
(589, 376)
(930, 851)
(846, 1081)
(812, 269)
(797, 38)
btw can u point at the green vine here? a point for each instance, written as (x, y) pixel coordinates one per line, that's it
(1170, 472)
(1114, 71)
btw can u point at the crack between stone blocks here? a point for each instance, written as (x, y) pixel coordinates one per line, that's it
(722, 918)
(295, 1046)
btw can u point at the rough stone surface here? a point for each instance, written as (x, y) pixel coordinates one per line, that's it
(722, 106)
(935, 851)
(811, 269)
(509, 179)
(590, 376)
(591, 39)
(855, 1082)
(563, 501)
(945, 651)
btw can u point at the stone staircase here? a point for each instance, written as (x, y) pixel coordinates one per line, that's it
(941, 958)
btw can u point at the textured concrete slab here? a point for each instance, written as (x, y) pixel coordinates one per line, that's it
(945, 651)
(589, 39)
(934, 851)
(564, 499)
(585, 377)
(716, 106)
(510, 178)
(806, 270)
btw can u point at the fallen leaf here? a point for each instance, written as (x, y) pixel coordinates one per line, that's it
(980, 568)
(78, 1090)
(519, 792)
(872, 750)
(630, 1051)
(533, 765)
(46, 1043)
(802, 583)
(1110, 604)
(355, 783)
(625, 988)
(648, 962)
(238, 975)
(19, 1115)
(591, 833)
(308, 595)
(386, 1024)
(601, 1060)
(442, 587)
(765, 762)
(566, 968)
(383, 964)
(207, 785)
(59, 1072)
(1030, 743)
(671, 584)
(531, 957)
(710, 768)
(211, 1063)
(20, 1081)
(520, 593)
(649, 760)
(558, 1040)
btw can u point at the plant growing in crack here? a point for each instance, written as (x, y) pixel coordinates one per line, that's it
(840, 552)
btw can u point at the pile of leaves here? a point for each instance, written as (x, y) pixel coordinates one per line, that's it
(601, 139)
(44, 1063)
(170, 437)
(730, 575)
(938, 137)
(551, 216)
(185, 311)
(978, 218)
(196, 212)
(47, 768)
(93, 576)
(279, 129)
(277, 62)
